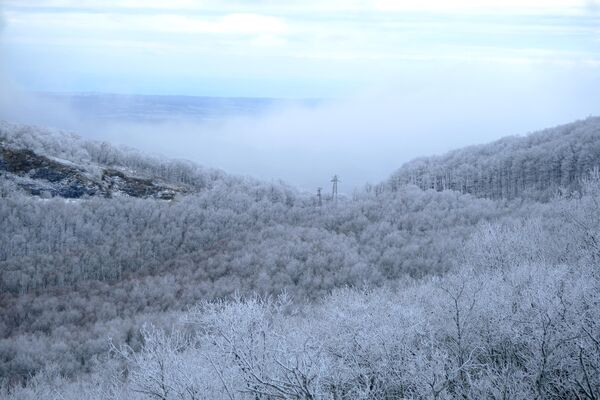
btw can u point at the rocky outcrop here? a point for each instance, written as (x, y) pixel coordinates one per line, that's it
(118, 182)
(41, 176)
(55, 179)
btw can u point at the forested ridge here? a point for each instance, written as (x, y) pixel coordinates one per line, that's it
(536, 165)
(424, 259)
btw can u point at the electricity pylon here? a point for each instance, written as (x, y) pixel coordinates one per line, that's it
(334, 189)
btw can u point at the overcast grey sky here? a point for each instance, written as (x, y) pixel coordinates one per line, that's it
(408, 78)
(309, 48)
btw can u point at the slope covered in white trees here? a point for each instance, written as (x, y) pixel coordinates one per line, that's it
(499, 325)
(536, 165)
(449, 292)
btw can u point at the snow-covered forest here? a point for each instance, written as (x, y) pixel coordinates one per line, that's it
(532, 166)
(469, 275)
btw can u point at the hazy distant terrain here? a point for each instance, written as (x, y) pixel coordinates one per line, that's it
(119, 108)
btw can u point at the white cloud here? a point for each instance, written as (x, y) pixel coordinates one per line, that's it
(310, 6)
(249, 23)
(352, 42)
(268, 41)
(168, 23)
(244, 24)
(498, 6)
(159, 4)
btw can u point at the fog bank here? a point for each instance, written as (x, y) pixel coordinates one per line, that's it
(362, 138)
(366, 137)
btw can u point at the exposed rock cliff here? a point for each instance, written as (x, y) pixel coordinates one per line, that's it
(42, 176)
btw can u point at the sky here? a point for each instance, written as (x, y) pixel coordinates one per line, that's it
(282, 48)
(401, 78)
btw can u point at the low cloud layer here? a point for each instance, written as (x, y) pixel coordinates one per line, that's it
(366, 137)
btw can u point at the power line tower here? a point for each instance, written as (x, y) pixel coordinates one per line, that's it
(319, 198)
(334, 189)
